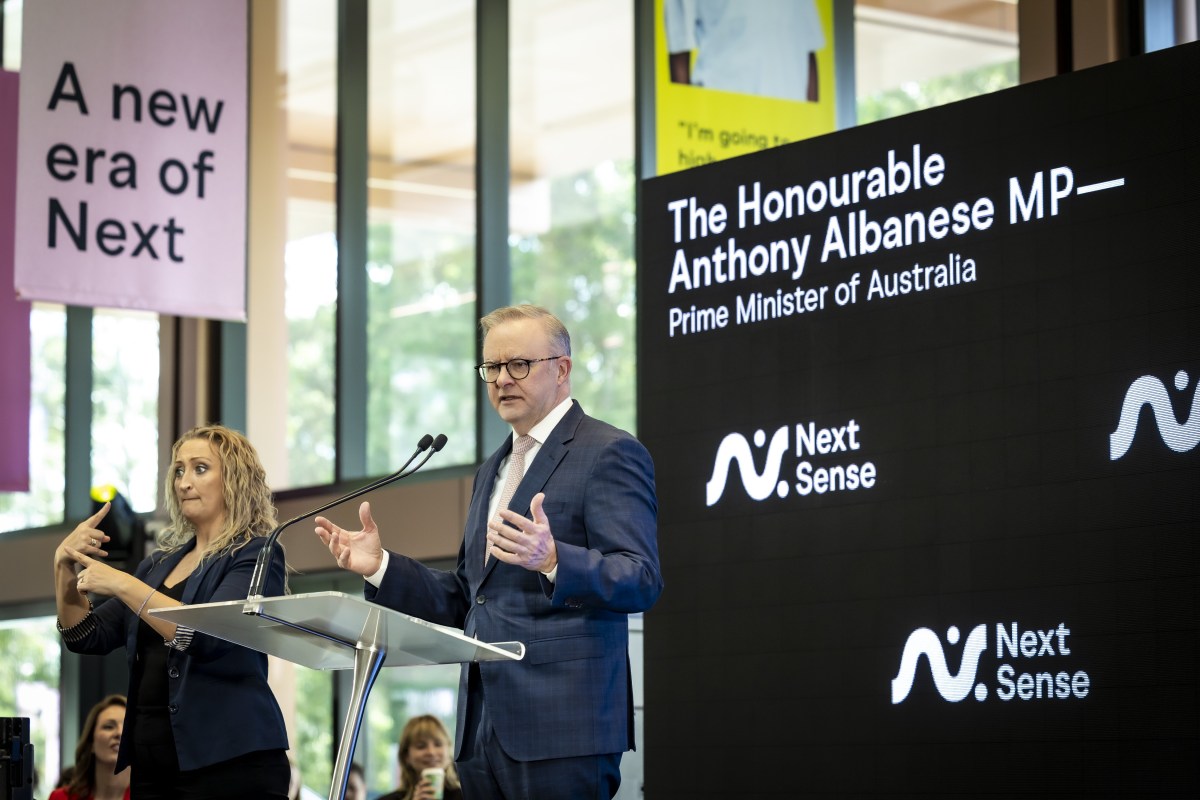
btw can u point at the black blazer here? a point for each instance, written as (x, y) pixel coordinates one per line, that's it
(220, 704)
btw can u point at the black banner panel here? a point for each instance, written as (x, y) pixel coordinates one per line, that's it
(922, 399)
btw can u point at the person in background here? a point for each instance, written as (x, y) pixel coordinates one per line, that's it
(356, 783)
(94, 775)
(560, 546)
(202, 721)
(424, 744)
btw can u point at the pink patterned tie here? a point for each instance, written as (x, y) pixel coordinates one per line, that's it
(516, 471)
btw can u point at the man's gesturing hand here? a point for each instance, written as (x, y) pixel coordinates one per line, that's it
(358, 551)
(530, 544)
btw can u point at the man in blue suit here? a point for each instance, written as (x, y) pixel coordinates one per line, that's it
(559, 566)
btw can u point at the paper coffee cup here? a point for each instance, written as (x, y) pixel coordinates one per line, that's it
(437, 777)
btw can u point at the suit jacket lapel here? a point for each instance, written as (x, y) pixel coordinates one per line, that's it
(159, 572)
(161, 569)
(537, 474)
(195, 579)
(549, 455)
(476, 534)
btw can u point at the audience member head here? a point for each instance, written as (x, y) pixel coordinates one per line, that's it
(96, 749)
(356, 783)
(425, 743)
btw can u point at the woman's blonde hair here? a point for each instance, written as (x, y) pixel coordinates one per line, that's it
(423, 728)
(249, 510)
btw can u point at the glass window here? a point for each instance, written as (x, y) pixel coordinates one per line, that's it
(43, 503)
(309, 60)
(12, 35)
(572, 192)
(29, 679)
(421, 243)
(910, 55)
(314, 747)
(125, 405)
(311, 270)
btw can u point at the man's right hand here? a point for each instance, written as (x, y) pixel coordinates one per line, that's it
(358, 551)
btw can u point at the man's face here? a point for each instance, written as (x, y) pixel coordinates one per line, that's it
(522, 404)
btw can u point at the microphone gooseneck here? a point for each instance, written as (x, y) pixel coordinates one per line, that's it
(263, 565)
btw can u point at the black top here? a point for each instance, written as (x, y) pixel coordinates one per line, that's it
(452, 793)
(152, 657)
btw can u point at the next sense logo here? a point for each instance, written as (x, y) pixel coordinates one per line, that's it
(924, 642)
(1149, 390)
(734, 447)
(1011, 643)
(811, 442)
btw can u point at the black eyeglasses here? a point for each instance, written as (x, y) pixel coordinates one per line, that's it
(518, 368)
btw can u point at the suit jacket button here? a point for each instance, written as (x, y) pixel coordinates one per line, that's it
(481, 599)
(173, 672)
(172, 708)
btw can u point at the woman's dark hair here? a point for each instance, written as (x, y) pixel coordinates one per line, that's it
(83, 779)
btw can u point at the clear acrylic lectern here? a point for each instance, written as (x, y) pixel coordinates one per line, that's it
(333, 630)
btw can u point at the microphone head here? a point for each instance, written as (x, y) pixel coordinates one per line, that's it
(426, 440)
(439, 442)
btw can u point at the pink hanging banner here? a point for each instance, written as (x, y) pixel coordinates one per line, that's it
(132, 171)
(14, 314)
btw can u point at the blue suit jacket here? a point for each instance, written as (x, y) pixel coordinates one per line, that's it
(221, 704)
(571, 695)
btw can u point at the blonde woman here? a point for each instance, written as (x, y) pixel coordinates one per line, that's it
(425, 744)
(201, 721)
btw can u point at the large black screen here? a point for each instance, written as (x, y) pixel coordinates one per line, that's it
(922, 398)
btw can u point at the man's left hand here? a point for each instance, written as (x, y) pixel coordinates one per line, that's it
(530, 544)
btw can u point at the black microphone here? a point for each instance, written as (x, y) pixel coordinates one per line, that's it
(263, 564)
(438, 444)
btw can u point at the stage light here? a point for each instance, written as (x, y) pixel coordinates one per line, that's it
(125, 528)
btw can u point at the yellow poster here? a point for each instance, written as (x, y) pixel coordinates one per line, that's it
(737, 77)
